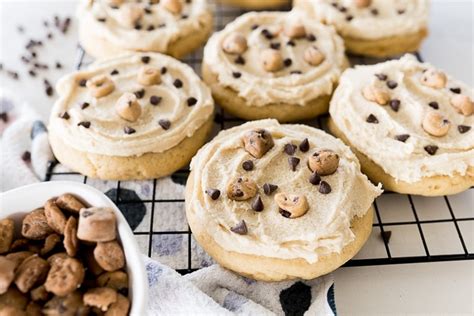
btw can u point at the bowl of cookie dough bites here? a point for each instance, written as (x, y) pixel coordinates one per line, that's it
(65, 248)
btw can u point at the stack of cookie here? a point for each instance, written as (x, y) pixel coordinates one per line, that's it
(269, 201)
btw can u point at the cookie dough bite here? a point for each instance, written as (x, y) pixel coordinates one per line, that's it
(276, 202)
(410, 125)
(137, 116)
(377, 28)
(274, 65)
(255, 4)
(173, 27)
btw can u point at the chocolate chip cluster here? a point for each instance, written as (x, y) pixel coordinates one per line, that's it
(257, 143)
(434, 122)
(65, 261)
(361, 5)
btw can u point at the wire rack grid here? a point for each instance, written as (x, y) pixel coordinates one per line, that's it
(406, 229)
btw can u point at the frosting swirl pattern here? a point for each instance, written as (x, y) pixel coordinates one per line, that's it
(271, 66)
(143, 25)
(373, 19)
(277, 208)
(408, 117)
(153, 104)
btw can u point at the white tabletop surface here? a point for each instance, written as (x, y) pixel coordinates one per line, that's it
(434, 288)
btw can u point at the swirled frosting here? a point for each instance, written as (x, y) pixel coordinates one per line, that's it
(106, 135)
(297, 83)
(325, 228)
(407, 160)
(382, 18)
(154, 31)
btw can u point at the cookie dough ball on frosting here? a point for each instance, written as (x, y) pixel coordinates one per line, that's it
(152, 117)
(255, 4)
(377, 28)
(419, 139)
(274, 65)
(173, 27)
(284, 213)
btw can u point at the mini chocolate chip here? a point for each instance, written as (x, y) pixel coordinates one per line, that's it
(49, 91)
(463, 129)
(140, 93)
(236, 74)
(147, 10)
(296, 72)
(163, 70)
(269, 188)
(372, 119)
(145, 59)
(315, 178)
(402, 137)
(114, 72)
(289, 149)
(434, 105)
(26, 157)
(257, 204)
(178, 83)
(64, 115)
(342, 9)
(431, 149)
(155, 100)
(275, 45)
(324, 187)
(267, 34)
(304, 146)
(239, 60)
(165, 124)
(395, 104)
(240, 228)
(82, 82)
(101, 20)
(150, 28)
(32, 73)
(138, 27)
(401, 11)
(247, 165)
(84, 105)
(386, 234)
(349, 18)
(213, 193)
(293, 161)
(374, 11)
(85, 124)
(58, 65)
(290, 43)
(392, 84)
(382, 77)
(254, 27)
(311, 37)
(455, 90)
(128, 130)
(49, 35)
(4, 117)
(191, 101)
(287, 62)
(285, 213)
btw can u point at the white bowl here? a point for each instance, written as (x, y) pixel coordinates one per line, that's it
(16, 203)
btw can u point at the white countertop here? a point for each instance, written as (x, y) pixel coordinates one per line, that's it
(428, 288)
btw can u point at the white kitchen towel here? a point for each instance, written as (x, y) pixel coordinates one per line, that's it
(25, 156)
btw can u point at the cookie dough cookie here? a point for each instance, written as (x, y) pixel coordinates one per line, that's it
(274, 65)
(410, 125)
(276, 202)
(255, 4)
(173, 27)
(376, 28)
(137, 116)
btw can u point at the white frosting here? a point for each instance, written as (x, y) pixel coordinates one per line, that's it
(406, 161)
(394, 17)
(324, 229)
(106, 134)
(168, 27)
(259, 87)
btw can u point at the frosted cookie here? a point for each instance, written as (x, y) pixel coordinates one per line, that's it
(377, 28)
(410, 125)
(274, 65)
(173, 27)
(130, 117)
(276, 202)
(255, 4)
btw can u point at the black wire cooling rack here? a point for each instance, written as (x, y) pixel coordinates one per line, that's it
(406, 229)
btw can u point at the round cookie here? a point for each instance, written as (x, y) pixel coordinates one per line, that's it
(376, 28)
(276, 202)
(173, 27)
(255, 4)
(138, 116)
(410, 125)
(274, 65)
